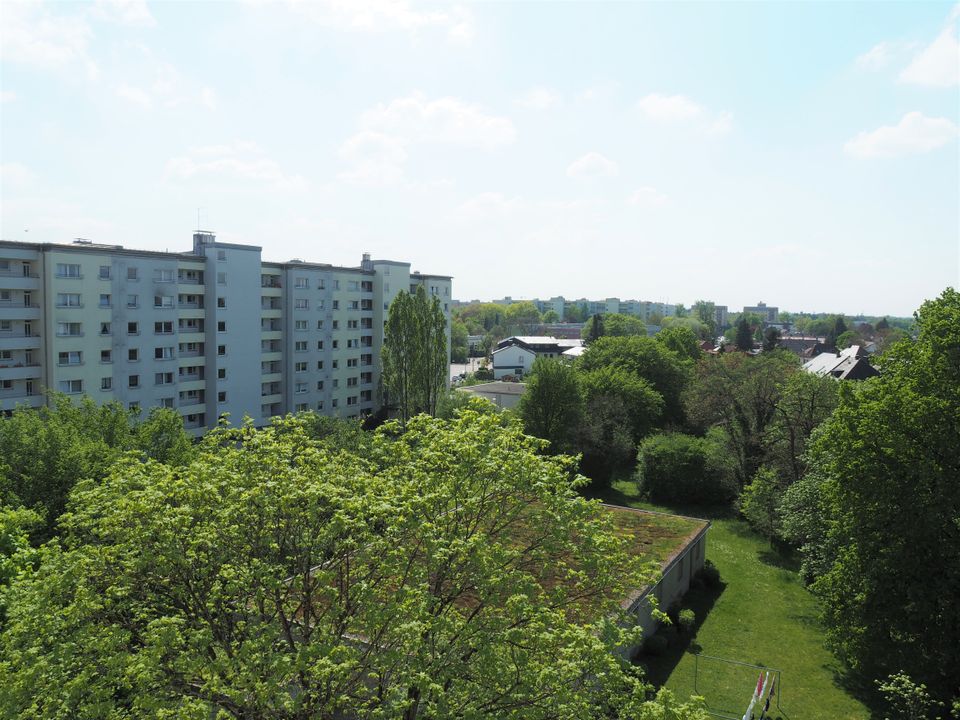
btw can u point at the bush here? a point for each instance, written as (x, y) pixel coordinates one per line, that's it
(655, 645)
(709, 574)
(687, 620)
(483, 373)
(674, 467)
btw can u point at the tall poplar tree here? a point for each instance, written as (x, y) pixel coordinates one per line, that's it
(415, 355)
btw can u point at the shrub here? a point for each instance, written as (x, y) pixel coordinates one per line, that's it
(673, 612)
(687, 620)
(709, 574)
(674, 467)
(655, 645)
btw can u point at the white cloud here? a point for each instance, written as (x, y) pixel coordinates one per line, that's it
(600, 91)
(914, 134)
(446, 120)
(487, 205)
(938, 64)
(16, 175)
(377, 153)
(138, 96)
(208, 98)
(244, 163)
(539, 98)
(385, 15)
(133, 13)
(7, 96)
(592, 165)
(877, 57)
(682, 110)
(648, 196)
(31, 35)
(669, 108)
(374, 159)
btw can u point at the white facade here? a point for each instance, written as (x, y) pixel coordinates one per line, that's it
(212, 331)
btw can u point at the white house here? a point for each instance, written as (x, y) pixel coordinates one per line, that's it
(515, 355)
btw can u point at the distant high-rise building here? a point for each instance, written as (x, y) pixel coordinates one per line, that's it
(211, 331)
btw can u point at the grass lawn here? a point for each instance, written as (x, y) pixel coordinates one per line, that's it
(760, 615)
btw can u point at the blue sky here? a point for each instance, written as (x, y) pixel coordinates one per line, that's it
(803, 154)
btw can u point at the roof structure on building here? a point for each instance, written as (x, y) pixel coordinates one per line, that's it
(495, 388)
(849, 364)
(539, 343)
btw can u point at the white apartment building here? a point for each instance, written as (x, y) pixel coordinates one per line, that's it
(211, 331)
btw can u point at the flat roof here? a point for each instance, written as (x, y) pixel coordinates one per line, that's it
(497, 386)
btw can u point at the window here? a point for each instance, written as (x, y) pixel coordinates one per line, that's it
(106, 356)
(221, 254)
(166, 402)
(134, 406)
(353, 285)
(68, 329)
(320, 405)
(73, 357)
(335, 343)
(336, 383)
(301, 304)
(221, 373)
(319, 324)
(319, 384)
(163, 275)
(163, 378)
(163, 301)
(133, 328)
(132, 273)
(334, 364)
(163, 353)
(353, 342)
(106, 383)
(68, 300)
(221, 349)
(352, 382)
(163, 328)
(353, 324)
(336, 325)
(104, 272)
(321, 284)
(319, 364)
(301, 325)
(319, 344)
(65, 270)
(133, 355)
(301, 283)
(352, 400)
(133, 301)
(354, 305)
(105, 328)
(221, 302)
(6, 354)
(352, 362)
(5, 296)
(320, 305)
(222, 396)
(336, 304)
(221, 278)
(336, 284)
(333, 403)
(71, 387)
(6, 326)
(221, 325)
(300, 367)
(300, 346)
(301, 388)
(301, 407)
(6, 384)
(104, 300)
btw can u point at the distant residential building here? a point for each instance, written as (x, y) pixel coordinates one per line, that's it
(502, 394)
(721, 316)
(849, 364)
(209, 331)
(767, 313)
(514, 356)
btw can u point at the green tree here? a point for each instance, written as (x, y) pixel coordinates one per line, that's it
(648, 359)
(522, 318)
(681, 340)
(551, 316)
(551, 406)
(740, 393)
(594, 329)
(886, 467)
(642, 404)
(806, 400)
(744, 336)
(453, 573)
(618, 325)
(415, 358)
(161, 436)
(604, 440)
(706, 312)
(674, 467)
(459, 347)
(771, 339)
(760, 502)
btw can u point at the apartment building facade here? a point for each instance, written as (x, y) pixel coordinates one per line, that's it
(213, 331)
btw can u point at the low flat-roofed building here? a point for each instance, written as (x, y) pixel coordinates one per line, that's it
(502, 394)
